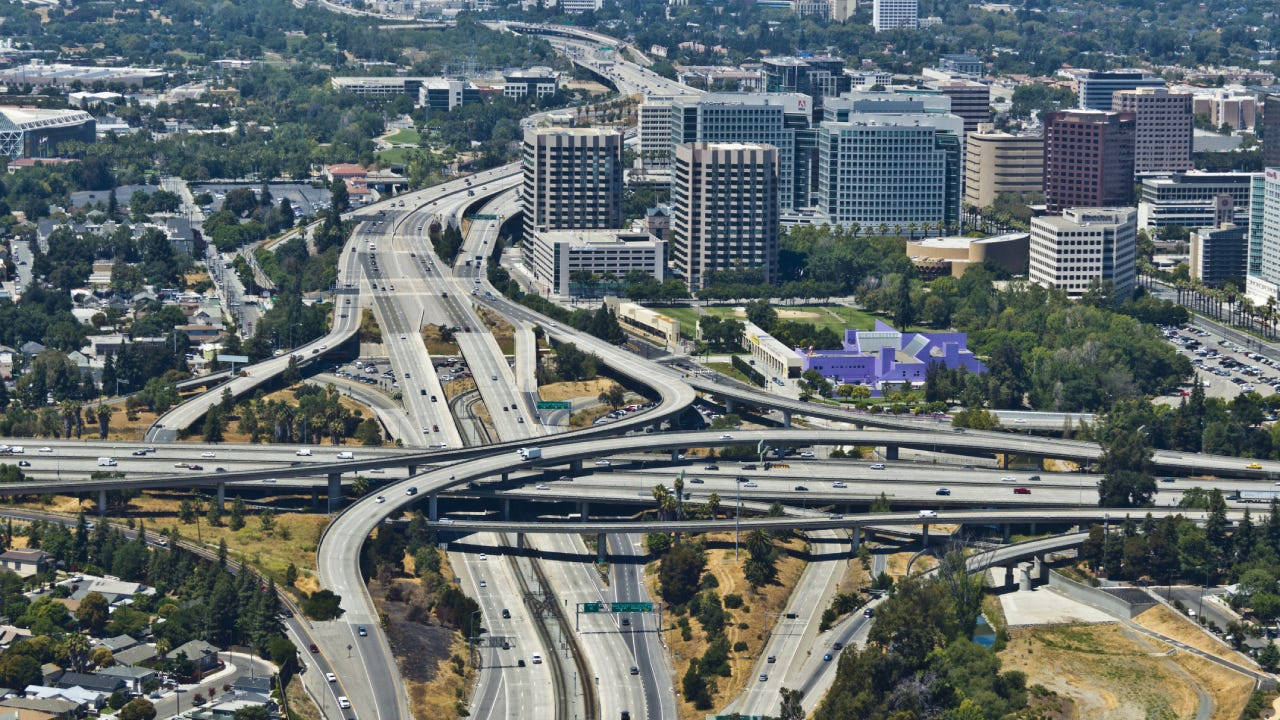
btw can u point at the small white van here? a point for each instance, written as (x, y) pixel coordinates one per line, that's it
(106, 462)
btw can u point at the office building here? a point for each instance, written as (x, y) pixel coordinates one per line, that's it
(962, 65)
(896, 101)
(1083, 246)
(970, 100)
(1265, 284)
(379, 86)
(893, 14)
(867, 79)
(537, 82)
(1257, 203)
(724, 199)
(1096, 88)
(443, 95)
(560, 259)
(644, 321)
(1000, 162)
(1237, 110)
(1088, 159)
(778, 119)
(41, 74)
(1271, 131)
(27, 132)
(572, 179)
(654, 131)
(769, 354)
(819, 77)
(1220, 255)
(842, 10)
(1194, 199)
(1163, 124)
(891, 170)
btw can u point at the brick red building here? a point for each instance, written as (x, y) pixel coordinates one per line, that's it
(1088, 158)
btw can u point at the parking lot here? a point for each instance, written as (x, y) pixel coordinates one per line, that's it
(306, 200)
(1225, 368)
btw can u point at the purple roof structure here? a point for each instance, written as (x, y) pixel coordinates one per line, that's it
(882, 354)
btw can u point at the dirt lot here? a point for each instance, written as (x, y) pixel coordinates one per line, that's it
(436, 345)
(300, 703)
(1171, 624)
(758, 613)
(569, 390)
(1108, 672)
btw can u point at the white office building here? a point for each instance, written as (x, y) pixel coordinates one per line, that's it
(560, 259)
(891, 14)
(536, 81)
(655, 130)
(580, 6)
(1265, 283)
(1085, 245)
(890, 169)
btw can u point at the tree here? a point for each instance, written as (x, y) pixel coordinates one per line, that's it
(212, 431)
(1126, 467)
(679, 572)
(290, 575)
(695, 688)
(237, 516)
(905, 313)
(759, 567)
(339, 198)
(93, 612)
(791, 708)
(138, 709)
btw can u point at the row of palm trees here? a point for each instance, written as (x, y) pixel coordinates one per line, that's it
(1229, 305)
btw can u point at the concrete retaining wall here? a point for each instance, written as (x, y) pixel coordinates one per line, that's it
(1093, 596)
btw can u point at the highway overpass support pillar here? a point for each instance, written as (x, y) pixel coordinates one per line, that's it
(584, 510)
(222, 496)
(575, 466)
(335, 490)
(433, 507)
(413, 470)
(1039, 571)
(730, 405)
(102, 502)
(506, 508)
(602, 548)
(855, 539)
(786, 418)
(1004, 529)
(891, 452)
(519, 541)
(1008, 577)
(675, 456)
(924, 535)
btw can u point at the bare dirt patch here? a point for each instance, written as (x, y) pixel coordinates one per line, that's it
(1230, 690)
(561, 391)
(1170, 624)
(502, 331)
(300, 704)
(1108, 672)
(750, 623)
(437, 344)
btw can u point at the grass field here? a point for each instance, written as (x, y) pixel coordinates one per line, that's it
(404, 136)
(396, 155)
(835, 317)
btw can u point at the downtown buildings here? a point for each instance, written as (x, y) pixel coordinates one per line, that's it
(572, 179)
(1085, 247)
(724, 200)
(1163, 124)
(1088, 158)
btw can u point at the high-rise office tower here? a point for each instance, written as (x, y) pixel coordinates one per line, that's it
(970, 100)
(818, 76)
(1083, 245)
(891, 14)
(891, 170)
(724, 200)
(1097, 87)
(572, 179)
(1271, 131)
(999, 162)
(1162, 130)
(1088, 158)
(778, 119)
(1265, 284)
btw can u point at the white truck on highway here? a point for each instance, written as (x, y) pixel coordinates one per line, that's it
(532, 453)
(106, 462)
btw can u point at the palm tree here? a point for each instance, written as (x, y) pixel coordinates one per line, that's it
(679, 488)
(713, 504)
(660, 496)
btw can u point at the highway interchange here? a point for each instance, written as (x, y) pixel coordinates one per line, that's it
(389, 267)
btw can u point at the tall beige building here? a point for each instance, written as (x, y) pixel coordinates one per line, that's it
(999, 162)
(724, 200)
(1163, 129)
(572, 179)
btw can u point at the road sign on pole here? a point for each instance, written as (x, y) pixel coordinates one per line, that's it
(553, 405)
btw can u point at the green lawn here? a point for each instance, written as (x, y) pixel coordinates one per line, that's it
(835, 317)
(395, 156)
(405, 136)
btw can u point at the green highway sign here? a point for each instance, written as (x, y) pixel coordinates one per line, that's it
(592, 607)
(553, 405)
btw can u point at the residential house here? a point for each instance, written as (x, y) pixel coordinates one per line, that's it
(34, 708)
(136, 655)
(133, 676)
(90, 681)
(26, 562)
(204, 655)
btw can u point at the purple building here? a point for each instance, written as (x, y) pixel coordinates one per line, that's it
(872, 357)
